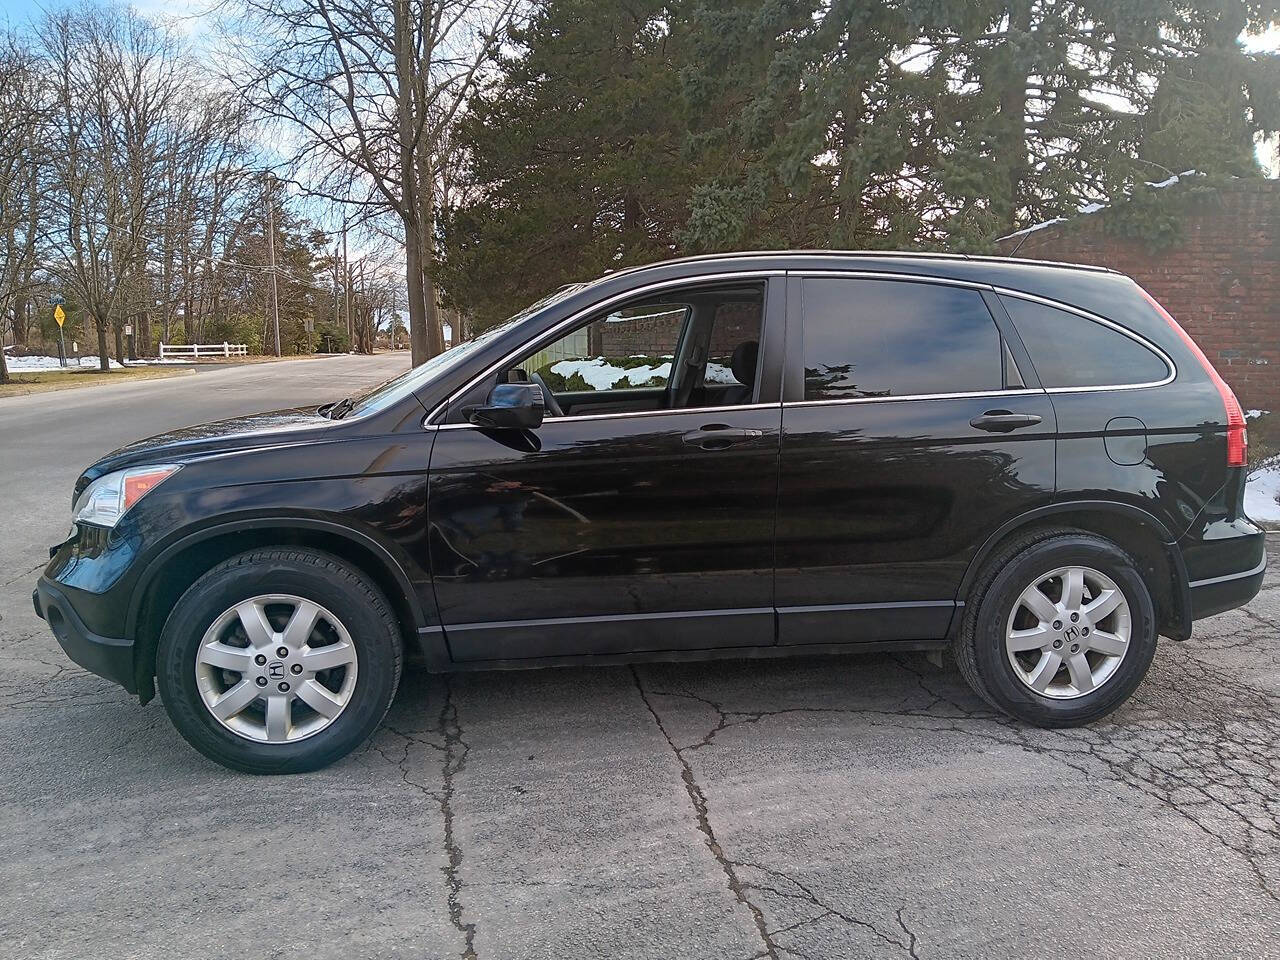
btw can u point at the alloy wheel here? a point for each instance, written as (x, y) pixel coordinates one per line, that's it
(276, 668)
(1068, 632)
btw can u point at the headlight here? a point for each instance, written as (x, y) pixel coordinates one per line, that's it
(107, 499)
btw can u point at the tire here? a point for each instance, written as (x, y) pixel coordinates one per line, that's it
(336, 643)
(997, 621)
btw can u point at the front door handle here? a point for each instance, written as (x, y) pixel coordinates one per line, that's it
(1002, 421)
(719, 436)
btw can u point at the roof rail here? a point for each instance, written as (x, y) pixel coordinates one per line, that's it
(879, 254)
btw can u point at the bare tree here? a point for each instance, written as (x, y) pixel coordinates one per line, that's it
(23, 112)
(206, 170)
(374, 88)
(116, 79)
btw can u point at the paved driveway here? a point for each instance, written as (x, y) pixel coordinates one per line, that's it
(819, 808)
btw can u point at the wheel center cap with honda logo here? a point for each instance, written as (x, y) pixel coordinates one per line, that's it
(275, 670)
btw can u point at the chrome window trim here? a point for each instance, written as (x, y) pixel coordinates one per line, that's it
(621, 414)
(1095, 318)
(969, 394)
(550, 335)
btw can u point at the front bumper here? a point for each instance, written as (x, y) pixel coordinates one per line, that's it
(108, 657)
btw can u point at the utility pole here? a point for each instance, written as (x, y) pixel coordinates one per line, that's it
(271, 258)
(346, 286)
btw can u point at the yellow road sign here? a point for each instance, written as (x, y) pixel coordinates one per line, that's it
(59, 314)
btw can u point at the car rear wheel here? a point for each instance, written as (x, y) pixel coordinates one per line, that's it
(279, 661)
(1059, 630)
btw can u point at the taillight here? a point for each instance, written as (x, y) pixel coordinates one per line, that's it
(1237, 435)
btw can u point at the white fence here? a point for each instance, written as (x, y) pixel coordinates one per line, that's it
(203, 350)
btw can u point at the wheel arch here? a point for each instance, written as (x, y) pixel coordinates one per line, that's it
(1137, 531)
(180, 564)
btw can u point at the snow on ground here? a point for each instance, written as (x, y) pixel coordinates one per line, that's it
(20, 364)
(600, 374)
(1260, 495)
(51, 364)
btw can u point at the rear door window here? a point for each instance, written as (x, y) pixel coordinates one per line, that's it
(1069, 350)
(895, 338)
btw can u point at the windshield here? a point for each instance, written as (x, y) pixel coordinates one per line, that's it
(397, 388)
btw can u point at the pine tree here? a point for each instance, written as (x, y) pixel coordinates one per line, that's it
(1213, 99)
(616, 134)
(575, 155)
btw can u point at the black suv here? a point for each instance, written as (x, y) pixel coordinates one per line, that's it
(743, 455)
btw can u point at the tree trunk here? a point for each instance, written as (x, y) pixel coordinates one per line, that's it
(1011, 140)
(419, 347)
(20, 319)
(104, 362)
(4, 369)
(142, 323)
(414, 240)
(118, 328)
(427, 232)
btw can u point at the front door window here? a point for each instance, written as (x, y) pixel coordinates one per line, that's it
(700, 350)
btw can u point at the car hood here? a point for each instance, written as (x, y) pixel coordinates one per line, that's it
(275, 428)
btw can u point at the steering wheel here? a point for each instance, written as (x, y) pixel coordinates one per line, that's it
(548, 398)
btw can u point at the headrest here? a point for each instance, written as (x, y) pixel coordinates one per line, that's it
(743, 363)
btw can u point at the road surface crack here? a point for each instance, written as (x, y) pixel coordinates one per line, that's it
(699, 801)
(455, 761)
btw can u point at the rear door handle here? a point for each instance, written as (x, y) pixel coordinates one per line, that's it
(1002, 421)
(718, 436)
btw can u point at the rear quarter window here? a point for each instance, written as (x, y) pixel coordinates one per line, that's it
(1069, 350)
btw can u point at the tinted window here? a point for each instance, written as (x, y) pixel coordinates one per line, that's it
(1069, 350)
(890, 338)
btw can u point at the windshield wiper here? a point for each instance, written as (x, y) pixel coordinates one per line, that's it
(340, 409)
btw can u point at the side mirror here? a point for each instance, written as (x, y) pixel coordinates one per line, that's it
(511, 406)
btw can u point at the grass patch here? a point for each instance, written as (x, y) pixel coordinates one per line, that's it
(44, 381)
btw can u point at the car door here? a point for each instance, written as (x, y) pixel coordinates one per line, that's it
(642, 517)
(912, 428)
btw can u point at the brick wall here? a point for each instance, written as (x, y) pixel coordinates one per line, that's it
(658, 336)
(1222, 280)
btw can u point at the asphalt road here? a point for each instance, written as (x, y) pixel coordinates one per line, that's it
(818, 808)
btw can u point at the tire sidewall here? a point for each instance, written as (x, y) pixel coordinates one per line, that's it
(231, 583)
(997, 604)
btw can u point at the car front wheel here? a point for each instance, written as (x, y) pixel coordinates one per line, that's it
(1060, 629)
(279, 661)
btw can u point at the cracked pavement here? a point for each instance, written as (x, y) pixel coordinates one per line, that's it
(868, 806)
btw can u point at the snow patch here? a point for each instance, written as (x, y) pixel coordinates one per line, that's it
(19, 364)
(51, 364)
(1033, 228)
(1260, 495)
(1251, 414)
(1096, 207)
(600, 374)
(1172, 180)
